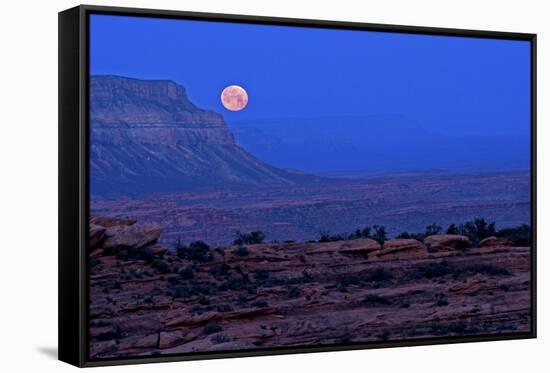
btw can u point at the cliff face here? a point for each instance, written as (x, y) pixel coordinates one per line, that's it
(146, 136)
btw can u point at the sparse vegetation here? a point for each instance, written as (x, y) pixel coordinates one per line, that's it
(434, 270)
(442, 269)
(379, 234)
(251, 238)
(520, 236)
(220, 338)
(260, 304)
(212, 327)
(224, 308)
(441, 300)
(374, 300)
(452, 229)
(477, 229)
(487, 269)
(198, 250)
(379, 275)
(261, 275)
(187, 273)
(430, 230)
(241, 251)
(161, 266)
(293, 291)
(346, 281)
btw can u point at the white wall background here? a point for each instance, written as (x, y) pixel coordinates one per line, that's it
(28, 187)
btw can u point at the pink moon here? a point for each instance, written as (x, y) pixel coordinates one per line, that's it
(234, 98)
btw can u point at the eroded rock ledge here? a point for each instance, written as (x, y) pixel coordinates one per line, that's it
(147, 300)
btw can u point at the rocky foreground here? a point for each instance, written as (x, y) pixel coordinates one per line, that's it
(147, 300)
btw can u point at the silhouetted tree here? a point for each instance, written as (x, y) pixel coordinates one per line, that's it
(379, 233)
(365, 233)
(477, 229)
(432, 229)
(453, 229)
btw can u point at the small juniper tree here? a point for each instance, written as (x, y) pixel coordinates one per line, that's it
(379, 233)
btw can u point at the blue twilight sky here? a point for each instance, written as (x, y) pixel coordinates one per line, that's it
(462, 85)
(327, 101)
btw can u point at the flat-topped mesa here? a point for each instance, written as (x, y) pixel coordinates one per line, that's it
(147, 136)
(121, 100)
(149, 112)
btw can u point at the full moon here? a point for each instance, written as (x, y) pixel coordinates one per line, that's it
(234, 98)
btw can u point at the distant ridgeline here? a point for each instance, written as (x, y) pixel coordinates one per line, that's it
(146, 136)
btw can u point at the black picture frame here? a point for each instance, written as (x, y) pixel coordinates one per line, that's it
(74, 183)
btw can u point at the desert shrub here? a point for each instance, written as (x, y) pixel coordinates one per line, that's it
(303, 279)
(452, 229)
(416, 236)
(458, 327)
(432, 229)
(379, 275)
(220, 270)
(434, 270)
(441, 300)
(325, 236)
(115, 333)
(293, 291)
(384, 336)
(220, 338)
(487, 269)
(160, 265)
(356, 234)
(241, 300)
(260, 304)
(379, 233)
(373, 300)
(261, 275)
(197, 250)
(251, 238)
(477, 229)
(365, 233)
(345, 338)
(520, 236)
(348, 280)
(224, 308)
(306, 277)
(212, 327)
(180, 291)
(187, 273)
(204, 301)
(235, 282)
(241, 251)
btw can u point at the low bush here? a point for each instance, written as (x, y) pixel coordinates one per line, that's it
(520, 236)
(241, 251)
(373, 300)
(161, 266)
(197, 250)
(212, 327)
(379, 275)
(434, 270)
(220, 338)
(251, 238)
(487, 269)
(187, 273)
